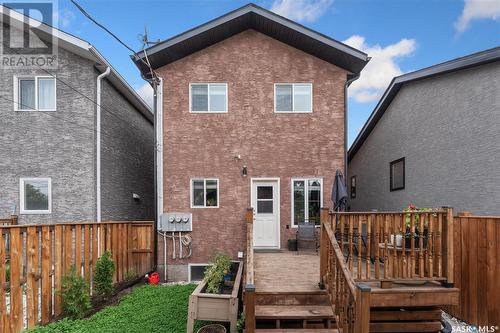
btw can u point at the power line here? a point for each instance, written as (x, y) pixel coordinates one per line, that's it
(82, 94)
(145, 42)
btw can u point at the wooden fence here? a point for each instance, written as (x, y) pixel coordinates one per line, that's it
(34, 258)
(477, 269)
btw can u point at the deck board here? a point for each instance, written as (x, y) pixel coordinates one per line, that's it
(286, 272)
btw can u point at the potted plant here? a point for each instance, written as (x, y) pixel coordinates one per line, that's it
(416, 234)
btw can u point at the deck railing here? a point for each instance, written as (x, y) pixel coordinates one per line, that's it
(40, 255)
(249, 276)
(350, 301)
(393, 246)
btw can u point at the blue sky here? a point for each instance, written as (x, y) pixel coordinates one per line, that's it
(400, 35)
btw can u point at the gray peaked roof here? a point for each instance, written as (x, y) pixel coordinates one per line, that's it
(254, 17)
(475, 59)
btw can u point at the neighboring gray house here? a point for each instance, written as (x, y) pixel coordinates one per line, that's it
(433, 138)
(49, 137)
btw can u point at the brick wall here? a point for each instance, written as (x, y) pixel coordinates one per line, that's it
(270, 144)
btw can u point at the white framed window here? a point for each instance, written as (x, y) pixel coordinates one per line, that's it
(293, 98)
(196, 272)
(307, 200)
(35, 195)
(205, 193)
(208, 97)
(34, 93)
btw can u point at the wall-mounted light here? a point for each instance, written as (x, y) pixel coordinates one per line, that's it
(136, 196)
(244, 172)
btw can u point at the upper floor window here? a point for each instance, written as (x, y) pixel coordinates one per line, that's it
(35, 195)
(208, 97)
(204, 193)
(293, 97)
(397, 180)
(37, 93)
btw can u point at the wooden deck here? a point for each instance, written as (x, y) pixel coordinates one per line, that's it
(286, 272)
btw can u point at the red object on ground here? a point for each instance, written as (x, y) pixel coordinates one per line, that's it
(154, 278)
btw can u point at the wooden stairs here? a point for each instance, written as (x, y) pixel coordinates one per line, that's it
(301, 312)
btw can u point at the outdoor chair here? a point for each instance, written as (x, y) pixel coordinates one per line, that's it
(307, 236)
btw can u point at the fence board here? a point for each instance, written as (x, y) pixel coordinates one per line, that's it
(40, 255)
(31, 283)
(16, 296)
(3, 311)
(58, 266)
(477, 241)
(46, 285)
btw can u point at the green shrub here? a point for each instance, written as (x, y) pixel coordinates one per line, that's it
(214, 274)
(75, 295)
(103, 276)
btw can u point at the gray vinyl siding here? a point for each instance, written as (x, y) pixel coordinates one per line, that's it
(59, 144)
(127, 159)
(447, 128)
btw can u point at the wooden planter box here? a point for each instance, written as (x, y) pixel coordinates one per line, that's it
(215, 307)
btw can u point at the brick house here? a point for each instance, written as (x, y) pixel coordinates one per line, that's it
(251, 114)
(55, 166)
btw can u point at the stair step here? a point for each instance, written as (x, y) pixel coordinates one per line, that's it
(305, 312)
(297, 330)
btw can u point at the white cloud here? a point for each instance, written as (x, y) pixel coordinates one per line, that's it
(477, 10)
(63, 18)
(301, 10)
(382, 67)
(146, 92)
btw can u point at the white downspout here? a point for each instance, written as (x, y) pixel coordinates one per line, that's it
(159, 147)
(98, 142)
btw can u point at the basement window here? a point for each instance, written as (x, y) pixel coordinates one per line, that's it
(204, 193)
(196, 272)
(397, 174)
(208, 97)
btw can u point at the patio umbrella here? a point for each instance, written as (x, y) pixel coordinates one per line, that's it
(339, 192)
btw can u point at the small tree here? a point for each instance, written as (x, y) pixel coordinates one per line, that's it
(75, 295)
(103, 276)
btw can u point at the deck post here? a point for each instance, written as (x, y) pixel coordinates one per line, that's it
(362, 320)
(250, 308)
(323, 261)
(449, 248)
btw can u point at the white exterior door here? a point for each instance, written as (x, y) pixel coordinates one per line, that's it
(266, 205)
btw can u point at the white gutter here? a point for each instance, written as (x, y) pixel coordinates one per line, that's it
(98, 142)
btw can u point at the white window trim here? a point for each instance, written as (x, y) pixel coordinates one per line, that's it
(191, 203)
(293, 98)
(21, 196)
(195, 265)
(17, 102)
(208, 111)
(306, 188)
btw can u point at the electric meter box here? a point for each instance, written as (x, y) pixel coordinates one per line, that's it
(176, 222)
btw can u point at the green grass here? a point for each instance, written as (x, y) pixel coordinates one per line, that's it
(146, 309)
